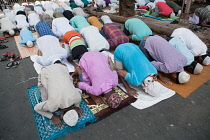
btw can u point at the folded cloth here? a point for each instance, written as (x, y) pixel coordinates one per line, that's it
(145, 100)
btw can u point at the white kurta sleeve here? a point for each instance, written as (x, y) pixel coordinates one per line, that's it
(43, 110)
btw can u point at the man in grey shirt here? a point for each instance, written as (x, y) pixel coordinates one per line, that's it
(204, 16)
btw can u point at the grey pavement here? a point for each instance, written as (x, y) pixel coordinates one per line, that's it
(176, 118)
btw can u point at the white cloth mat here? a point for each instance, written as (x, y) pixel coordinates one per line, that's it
(38, 67)
(144, 100)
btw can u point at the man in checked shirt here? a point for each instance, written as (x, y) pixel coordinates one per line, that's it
(114, 34)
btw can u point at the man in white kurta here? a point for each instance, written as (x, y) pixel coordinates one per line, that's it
(79, 11)
(7, 25)
(94, 40)
(51, 50)
(193, 43)
(38, 10)
(79, 3)
(33, 19)
(60, 26)
(57, 91)
(21, 21)
(66, 7)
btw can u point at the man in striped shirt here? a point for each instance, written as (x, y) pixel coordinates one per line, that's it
(204, 15)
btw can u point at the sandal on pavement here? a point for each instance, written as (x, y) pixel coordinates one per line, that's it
(11, 55)
(3, 46)
(5, 41)
(2, 38)
(4, 57)
(15, 64)
(18, 57)
(174, 22)
(9, 65)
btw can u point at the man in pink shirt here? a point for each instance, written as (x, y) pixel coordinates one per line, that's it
(97, 78)
(162, 9)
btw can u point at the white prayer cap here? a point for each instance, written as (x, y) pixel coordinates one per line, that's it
(71, 117)
(30, 44)
(151, 86)
(37, 2)
(198, 68)
(183, 77)
(106, 19)
(11, 32)
(206, 61)
(24, 3)
(172, 15)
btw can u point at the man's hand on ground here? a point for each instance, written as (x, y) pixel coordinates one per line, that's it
(56, 121)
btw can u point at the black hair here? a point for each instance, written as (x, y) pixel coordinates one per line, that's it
(177, 79)
(57, 61)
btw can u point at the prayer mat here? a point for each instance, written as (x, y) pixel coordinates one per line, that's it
(92, 112)
(194, 83)
(103, 110)
(163, 19)
(26, 51)
(45, 129)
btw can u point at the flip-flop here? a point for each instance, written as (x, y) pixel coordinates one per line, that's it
(18, 57)
(2, 38)
(174, 22)
(10, 55)
(15, 64)
(4, 57)
(5, 41)
(3, 46)
(10, 64)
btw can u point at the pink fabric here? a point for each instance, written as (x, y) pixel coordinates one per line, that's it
(164, 8)
(143, 7)
(97, 76)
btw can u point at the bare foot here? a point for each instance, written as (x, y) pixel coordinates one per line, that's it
(78, 110)
(96, 99)
(166, 80)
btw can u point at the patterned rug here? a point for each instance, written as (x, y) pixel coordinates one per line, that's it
(45, 129)
(92, 113)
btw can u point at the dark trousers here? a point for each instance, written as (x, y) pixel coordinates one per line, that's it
(146, 53)
(126, 32)
(78, 51)
(1, 8)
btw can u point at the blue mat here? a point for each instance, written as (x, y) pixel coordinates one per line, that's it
(45, 129)
(163, 19)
